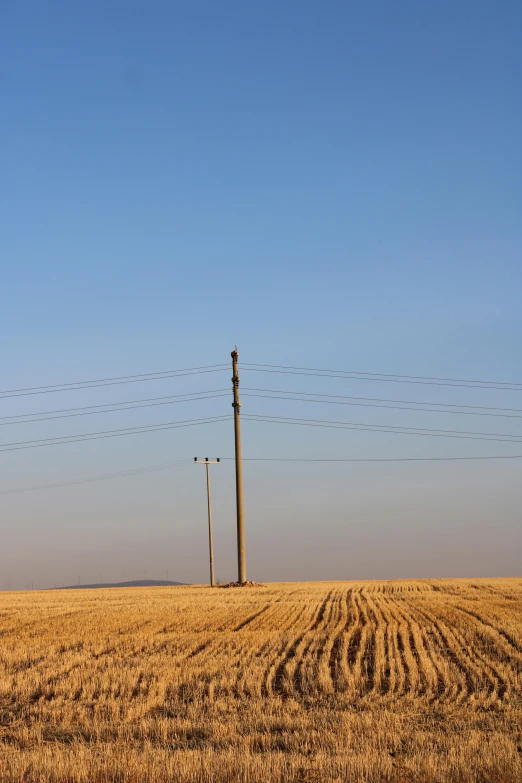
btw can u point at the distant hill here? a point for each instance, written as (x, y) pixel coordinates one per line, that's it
(135, 583)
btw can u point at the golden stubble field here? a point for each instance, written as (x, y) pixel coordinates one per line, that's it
(342, 681)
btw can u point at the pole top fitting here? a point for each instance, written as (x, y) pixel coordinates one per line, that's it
(235, 353)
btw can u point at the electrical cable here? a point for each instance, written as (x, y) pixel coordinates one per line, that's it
(30, 444)
(129, 407)
(398, 427)
(383, 428)
(110, 404)
(109, 382)
(356, 376)
(288, 369)
(375, 459)
(385, 375)
(246, 393)
(102, 477)
(185, 462)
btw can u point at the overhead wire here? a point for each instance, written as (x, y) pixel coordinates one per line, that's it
(266, 394)
(109, 407)
(395, 426)
(331, 399)
(376, 459)
(364, 427)
(343, 400)
(17, 445)
(258, 367)
(260, 393)
(184, 462)
(117, 381)
(109, 404)
(100, 477)
(115, 378)
(388, 378)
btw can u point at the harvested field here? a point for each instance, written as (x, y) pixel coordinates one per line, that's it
(346, 681)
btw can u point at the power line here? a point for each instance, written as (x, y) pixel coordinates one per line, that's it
(115, 378)
(342, 400)
(385, 375)
(363, 427)
(376, 459)
(185, 462)
(397, 427)
(149, 402)
(78, 386)
(110, 404)
(101, 477)
(256, 367)
(30, 444)
(356, 376)
(194, 397)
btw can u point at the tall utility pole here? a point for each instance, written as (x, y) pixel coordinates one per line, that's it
(241, 557)
(208, 462)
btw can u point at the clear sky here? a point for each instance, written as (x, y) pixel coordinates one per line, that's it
(324, 184)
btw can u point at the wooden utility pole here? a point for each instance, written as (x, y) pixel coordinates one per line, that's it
(241, 558)
(208, 462)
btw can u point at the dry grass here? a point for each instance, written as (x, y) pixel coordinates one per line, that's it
(369, 681)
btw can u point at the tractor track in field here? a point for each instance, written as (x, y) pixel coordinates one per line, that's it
(290, 651)
(386, 645)
(445, 645)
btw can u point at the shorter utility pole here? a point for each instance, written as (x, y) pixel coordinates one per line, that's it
(208, 462)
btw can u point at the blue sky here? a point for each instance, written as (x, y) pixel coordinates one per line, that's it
(322, 184)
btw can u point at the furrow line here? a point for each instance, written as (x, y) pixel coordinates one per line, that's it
(252, 617)
(513, 645)
(302, 671)
(271, 667)
(488, 664)
(315, 663)
(382, 667)
(423, 678)
(463, 658)
(344, 677)
(448, 684)
(278, 684)
(334, 663)
(358, 647)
